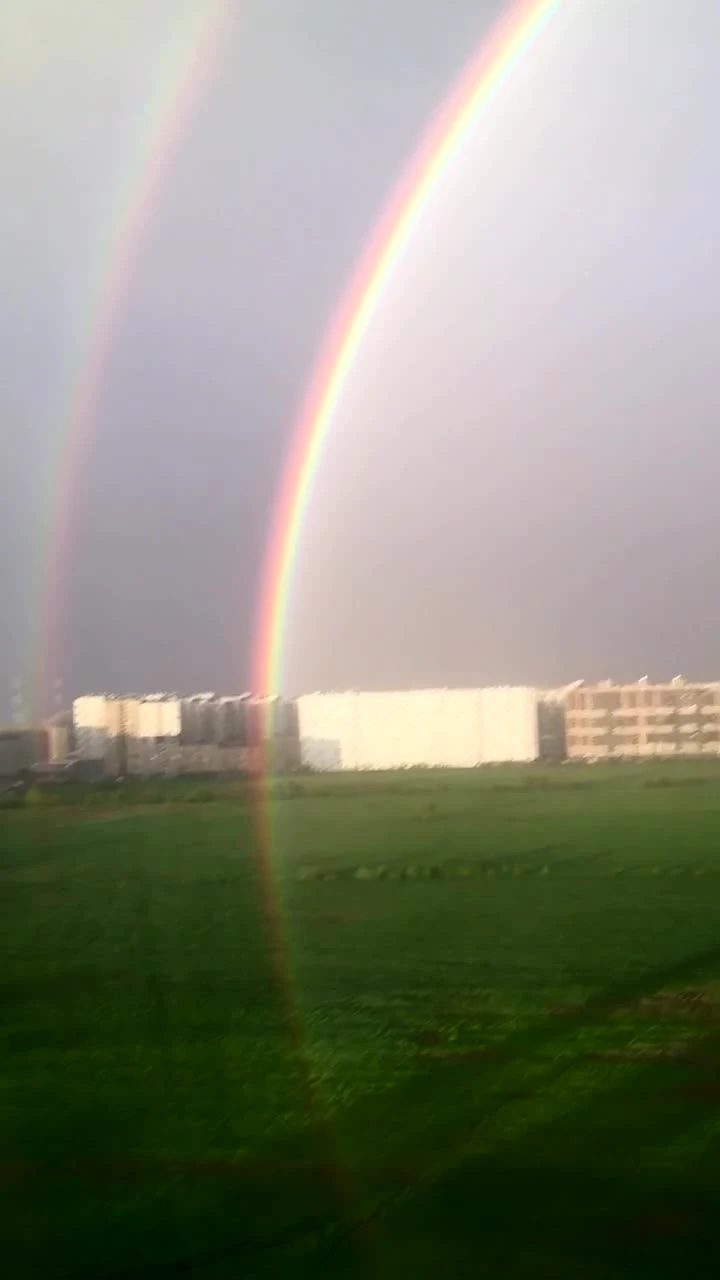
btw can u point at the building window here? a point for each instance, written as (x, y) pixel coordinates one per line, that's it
(607, 701)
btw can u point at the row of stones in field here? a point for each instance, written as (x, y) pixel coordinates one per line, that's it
(490, 870)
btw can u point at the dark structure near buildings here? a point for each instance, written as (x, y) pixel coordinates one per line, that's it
(20, 748)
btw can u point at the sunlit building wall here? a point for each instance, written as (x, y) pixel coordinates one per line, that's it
(92, 722)
(158, 717)
(435, 728)
(509, 725)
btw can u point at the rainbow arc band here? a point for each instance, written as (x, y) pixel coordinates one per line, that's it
(187, 65)
(488, 74)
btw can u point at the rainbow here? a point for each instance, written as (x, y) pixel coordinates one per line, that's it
(486, 76)
(187, 63)
(187, 66)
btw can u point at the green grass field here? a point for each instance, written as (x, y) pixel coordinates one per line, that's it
(455, 1024)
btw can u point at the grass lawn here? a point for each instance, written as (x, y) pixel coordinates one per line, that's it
(447, 1024)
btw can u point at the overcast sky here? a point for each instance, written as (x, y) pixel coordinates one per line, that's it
(521, 480)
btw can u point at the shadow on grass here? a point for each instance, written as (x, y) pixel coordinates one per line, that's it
(538, 1206)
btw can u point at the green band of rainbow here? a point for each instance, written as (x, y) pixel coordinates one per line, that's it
(483, 80)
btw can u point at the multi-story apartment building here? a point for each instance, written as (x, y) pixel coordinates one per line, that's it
(203, 733)
(608, 720)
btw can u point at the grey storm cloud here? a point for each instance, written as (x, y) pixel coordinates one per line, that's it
(518, 484)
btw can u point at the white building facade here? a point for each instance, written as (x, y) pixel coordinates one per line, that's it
(431, 728)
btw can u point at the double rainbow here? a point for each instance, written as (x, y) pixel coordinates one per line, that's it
(186, 67)
(485, 78)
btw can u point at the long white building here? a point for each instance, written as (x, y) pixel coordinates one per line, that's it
(435, 728)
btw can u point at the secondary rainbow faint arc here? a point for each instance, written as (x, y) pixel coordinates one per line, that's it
(185, 67)
(509, 42)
